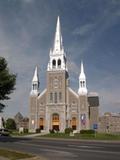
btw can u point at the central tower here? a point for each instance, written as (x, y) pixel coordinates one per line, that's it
(57, 55)
(57, 81)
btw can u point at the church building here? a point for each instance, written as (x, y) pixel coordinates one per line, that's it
(58, 106)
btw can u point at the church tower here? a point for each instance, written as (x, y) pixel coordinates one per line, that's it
(57, 55)
(83, 100)
(33, 124)
(82, 82)
(57, 80)
(35, 83)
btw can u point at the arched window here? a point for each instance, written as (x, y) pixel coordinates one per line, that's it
(55, 97)
(83, 83)
(60, 96)
(34, 86)
(55, 117)
(54, 63)
(59, 63)
(51, 97)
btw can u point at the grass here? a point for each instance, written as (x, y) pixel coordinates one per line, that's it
(98, 136)
(16, 133)
(13, 155)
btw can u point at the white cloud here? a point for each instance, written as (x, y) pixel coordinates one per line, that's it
(84, 29)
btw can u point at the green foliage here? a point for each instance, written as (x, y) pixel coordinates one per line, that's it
(7, 82)
(90, 131)
(68, 130)
(10, 124)
(51, 131)
(25, 130)
(99, 136)
(38, 130)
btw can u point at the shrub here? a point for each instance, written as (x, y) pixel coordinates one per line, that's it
(10, 124)
(51, 131)
(68, 130)
(25, 130)
(38, 130)
(90, 131)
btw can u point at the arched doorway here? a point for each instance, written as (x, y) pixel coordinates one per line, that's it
(74, 123)
(55, 121)
(41, 123)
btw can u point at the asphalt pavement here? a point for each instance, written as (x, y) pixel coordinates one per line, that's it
(64, 149)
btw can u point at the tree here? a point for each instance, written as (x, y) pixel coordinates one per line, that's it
(7, 82)
(10, 124)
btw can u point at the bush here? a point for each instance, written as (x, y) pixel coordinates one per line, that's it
(10, 124)
(51, 131)
(38, 130)
(68, 130)
(25, 130)
(90, 131)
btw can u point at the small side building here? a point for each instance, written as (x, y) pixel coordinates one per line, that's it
(109, 123)
(21, 121)
(93, 101)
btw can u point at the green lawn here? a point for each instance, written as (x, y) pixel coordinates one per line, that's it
(13, 155)
(98, 136)
(16, 133)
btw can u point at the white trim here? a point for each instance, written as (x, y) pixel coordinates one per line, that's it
(42, 93)
(73, 92)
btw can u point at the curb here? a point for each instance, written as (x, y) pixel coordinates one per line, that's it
(80, 140)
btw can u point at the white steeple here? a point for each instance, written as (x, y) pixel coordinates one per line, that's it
(82, 82)
(58, 46)
(57, 55)
(35, 77)
(35, 83)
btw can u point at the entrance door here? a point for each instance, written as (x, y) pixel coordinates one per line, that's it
(55, 122)
(74, 123)
(41, 123)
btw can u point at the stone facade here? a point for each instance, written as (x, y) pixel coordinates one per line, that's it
(109, 123)
(58, 106)
(21, 121)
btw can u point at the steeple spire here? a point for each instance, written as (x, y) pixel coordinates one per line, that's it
(82, 82)
(35, 77)
(82, 74)
(57, 54)
(35, 82)
(58, 46)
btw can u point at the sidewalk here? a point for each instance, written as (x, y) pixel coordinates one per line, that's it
(35, 135)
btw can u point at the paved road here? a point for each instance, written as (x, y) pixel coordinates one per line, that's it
(64, 149)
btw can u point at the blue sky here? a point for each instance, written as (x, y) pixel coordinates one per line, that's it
(91, 32)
